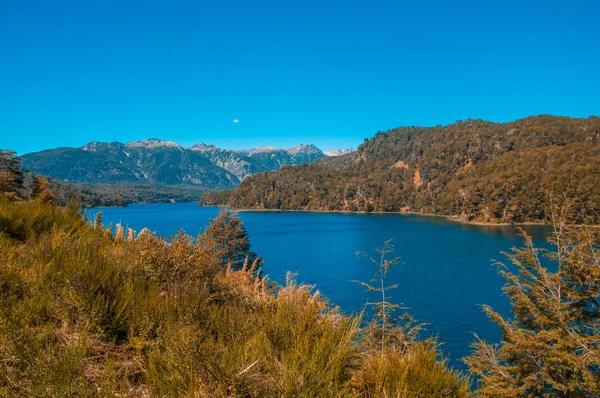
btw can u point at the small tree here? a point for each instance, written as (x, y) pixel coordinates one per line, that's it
(40, 189)
(396, 362)
(552, 346)
(386, 328)
(11, 176)
(228, 233)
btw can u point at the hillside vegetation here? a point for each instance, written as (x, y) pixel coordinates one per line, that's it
(109, 195)
(124, 194)
(86, 196)
(474, 170)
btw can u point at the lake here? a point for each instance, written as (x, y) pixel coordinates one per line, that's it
(446, 272)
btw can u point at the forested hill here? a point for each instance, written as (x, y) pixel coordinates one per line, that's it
(473, 169)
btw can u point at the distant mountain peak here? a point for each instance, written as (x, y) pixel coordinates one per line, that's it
(94, 145)
(153, 143)
(263, 149)
(202, 147)
(309, 149)
(90, 146)
(338, 152)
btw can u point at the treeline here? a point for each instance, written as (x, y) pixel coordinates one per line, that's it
(66, 192)
(147, 193)
(104, 195)
(475, 170)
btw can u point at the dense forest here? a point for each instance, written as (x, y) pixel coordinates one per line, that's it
(124, 194)
(102, 195)
(473, 169)
(65, 192)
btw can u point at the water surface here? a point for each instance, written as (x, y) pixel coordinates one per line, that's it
(446, 271)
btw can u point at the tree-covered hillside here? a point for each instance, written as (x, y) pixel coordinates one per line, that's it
(476, 170)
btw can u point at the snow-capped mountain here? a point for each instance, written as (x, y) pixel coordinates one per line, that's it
(338, 152)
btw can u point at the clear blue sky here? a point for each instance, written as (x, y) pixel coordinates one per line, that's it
(323, 72)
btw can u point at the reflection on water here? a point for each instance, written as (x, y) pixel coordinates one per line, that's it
(536, 231)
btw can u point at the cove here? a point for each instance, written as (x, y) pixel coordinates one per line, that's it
(446, 273)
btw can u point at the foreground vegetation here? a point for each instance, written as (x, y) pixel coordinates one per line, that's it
(474, 170)
(551, 345)
(85, 313)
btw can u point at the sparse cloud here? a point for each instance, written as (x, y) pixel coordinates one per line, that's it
(236, 120)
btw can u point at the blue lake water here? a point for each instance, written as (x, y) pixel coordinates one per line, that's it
(446, 271)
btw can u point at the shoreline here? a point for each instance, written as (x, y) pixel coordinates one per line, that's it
(447, 217)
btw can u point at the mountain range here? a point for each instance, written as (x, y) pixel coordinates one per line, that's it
(166, 162)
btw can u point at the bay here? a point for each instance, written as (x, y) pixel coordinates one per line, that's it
(446, 273)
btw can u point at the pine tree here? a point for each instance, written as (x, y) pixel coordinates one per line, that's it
(552, 346)
(11, 176)
(228, 233)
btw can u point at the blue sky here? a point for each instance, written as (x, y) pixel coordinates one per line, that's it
(327, 72)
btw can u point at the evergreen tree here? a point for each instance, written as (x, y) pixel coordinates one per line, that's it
(552, 346)
(228, 233)
(11, 176)
(40, 189)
